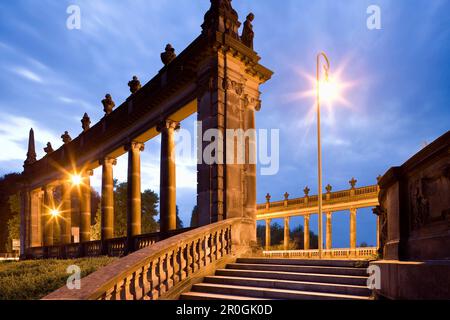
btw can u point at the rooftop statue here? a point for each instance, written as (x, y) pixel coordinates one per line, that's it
(86, 122)
(134, 85)
(168, 55)
(49, 148)
(247, 33)
(108, 104)
(66, 137)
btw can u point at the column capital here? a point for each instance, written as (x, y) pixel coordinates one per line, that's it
(108, 161)
(168, 124)
(49, 187)
(135, 145)
(307, 216)
(354, 210)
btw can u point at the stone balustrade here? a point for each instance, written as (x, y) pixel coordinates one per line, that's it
(358, 253)
(155, 272)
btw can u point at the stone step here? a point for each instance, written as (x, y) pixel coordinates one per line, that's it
(294, 276)
(213, 296)
(290, 285)
(303, 262)
(300, 269)
(269, 293)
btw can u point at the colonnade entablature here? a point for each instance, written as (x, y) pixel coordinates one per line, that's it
(217, 76)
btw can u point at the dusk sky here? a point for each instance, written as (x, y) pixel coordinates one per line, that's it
(397, 98)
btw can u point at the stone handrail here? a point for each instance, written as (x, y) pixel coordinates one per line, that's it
(345, 253)
(152, 272)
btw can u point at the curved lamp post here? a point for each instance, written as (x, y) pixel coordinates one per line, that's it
(326, 67)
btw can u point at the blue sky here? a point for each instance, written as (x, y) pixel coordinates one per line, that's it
(398, 101)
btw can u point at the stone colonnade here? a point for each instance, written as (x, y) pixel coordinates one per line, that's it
(306, 231)
(46, 222)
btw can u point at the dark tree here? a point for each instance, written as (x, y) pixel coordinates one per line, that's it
(194, 218)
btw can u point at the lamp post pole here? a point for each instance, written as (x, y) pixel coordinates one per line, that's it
(326, 67)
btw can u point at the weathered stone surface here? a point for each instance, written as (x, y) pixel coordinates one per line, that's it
(415, 225)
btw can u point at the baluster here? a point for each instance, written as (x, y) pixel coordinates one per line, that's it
(163, 274)
(183, 263)
(216, 245)
(220, 244)
(125, 292)
(194, 257)
(170, 270)
(155, 284)
(140, 288)
(203, 248)
(198, 245)
(177, 266)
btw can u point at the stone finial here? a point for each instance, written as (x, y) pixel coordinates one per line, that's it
(353, 183)
(247, 33)
(268, 197)
(221, 17)
(286, 196)
(306, 191)
(328, 188)
(86, 122)
(31, 154)
(49, 148)
(168, 55)
(66, 137)
(134, 85)
(108, 104)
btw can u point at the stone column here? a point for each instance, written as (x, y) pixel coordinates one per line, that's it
(306, 232)
(286, 233)
(268, 234)
(134, 190)
(108, 198)
(168, 215)
(49, 205)
(66, 213)
(24, 218)
(85, 207)
(329, 238)
(352, 228)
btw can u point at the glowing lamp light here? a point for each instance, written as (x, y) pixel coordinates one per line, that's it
(76, 180)
(330, 90)
(54, 213)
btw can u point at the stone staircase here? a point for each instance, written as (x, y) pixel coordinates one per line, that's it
(285, 279)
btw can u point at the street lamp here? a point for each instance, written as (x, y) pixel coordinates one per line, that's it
(54, 213)
(76, 179)
(326, 68)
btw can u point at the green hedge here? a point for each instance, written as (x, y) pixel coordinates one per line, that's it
(32, 280)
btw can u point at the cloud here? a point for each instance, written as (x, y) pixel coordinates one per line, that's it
(14, 131)
(27, 74)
